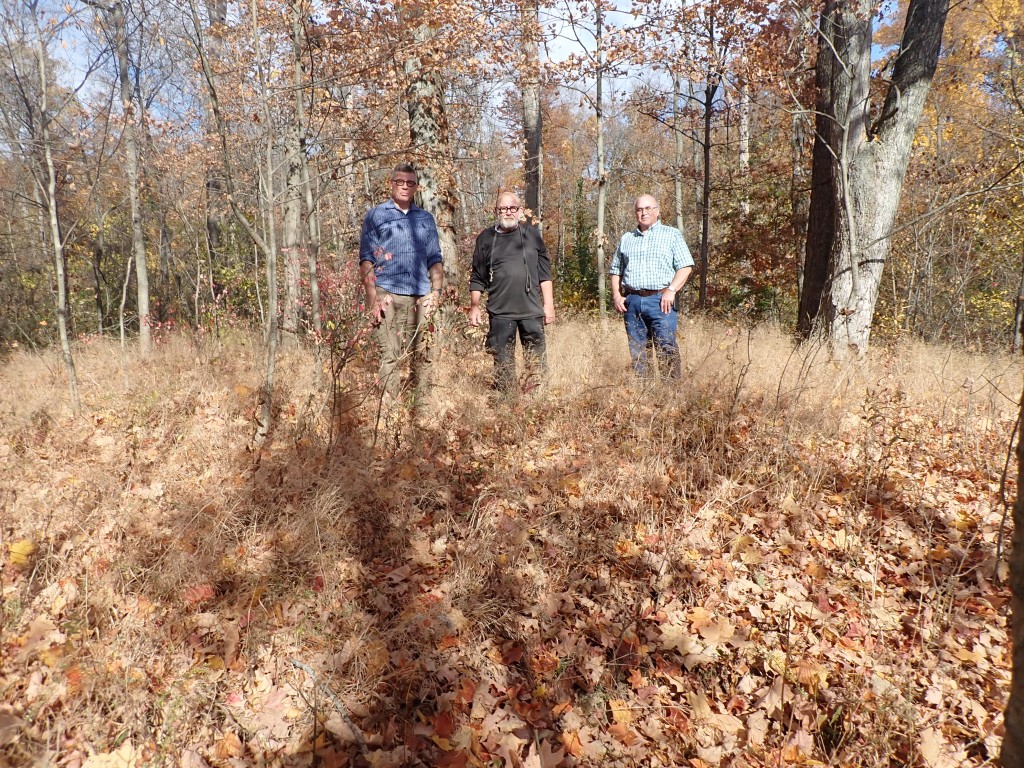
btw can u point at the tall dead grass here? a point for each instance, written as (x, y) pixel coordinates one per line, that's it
(173, 532)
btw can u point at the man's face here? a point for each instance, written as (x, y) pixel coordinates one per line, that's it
(403, 188)
(646, 208)
(507, 211)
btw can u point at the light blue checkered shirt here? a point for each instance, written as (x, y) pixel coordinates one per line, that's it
(647, 261)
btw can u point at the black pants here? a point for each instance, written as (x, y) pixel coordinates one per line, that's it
(501, 342)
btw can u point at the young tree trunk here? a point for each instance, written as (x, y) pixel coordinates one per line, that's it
(677, 131)
(131, 147)
(798, 189)
(53, 221)
(743, 108)
(858, 167)
(705, 203)
(291, 235)
(299, 15)
(533, 163)
(216, 205)
(1018, 316)
(602, 175)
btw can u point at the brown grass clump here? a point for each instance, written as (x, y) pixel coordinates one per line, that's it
(779, 559)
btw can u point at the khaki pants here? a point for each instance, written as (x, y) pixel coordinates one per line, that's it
(404, 333)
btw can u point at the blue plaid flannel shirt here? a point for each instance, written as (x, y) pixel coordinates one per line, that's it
(401, 247)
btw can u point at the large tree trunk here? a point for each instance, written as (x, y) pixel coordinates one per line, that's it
(858, 168)
(1012, 755)
(430, 138)
(533, 164)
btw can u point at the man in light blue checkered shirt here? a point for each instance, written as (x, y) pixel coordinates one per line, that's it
(650, 266)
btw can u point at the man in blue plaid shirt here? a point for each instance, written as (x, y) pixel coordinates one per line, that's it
(401, 268)
(650, 266)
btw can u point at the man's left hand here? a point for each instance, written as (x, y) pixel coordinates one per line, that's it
(668, 300)
(549, 314)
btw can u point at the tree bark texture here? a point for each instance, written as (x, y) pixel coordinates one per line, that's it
(430, 138)
(131, 149)
(858, 165)
(53, 221)
(602, 173)
(1012, 755)
(705, 202)
(533, 163)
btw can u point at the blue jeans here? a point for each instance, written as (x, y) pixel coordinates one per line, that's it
(647, 324)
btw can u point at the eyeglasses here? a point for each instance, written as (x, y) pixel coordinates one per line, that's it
(508, 208)
(647, 209)
(403, 183)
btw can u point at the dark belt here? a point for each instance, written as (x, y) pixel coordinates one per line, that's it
(641, 291)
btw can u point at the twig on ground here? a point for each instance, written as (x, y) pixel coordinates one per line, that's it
(338, 705)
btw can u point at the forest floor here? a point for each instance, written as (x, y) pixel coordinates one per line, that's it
(779, 561)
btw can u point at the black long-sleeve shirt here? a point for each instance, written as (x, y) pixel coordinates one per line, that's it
(509, 267)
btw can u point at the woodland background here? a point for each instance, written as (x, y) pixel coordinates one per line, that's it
(218, 553)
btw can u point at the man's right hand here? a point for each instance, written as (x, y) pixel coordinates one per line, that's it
(619, 302)
(378, 308)
(474, 315)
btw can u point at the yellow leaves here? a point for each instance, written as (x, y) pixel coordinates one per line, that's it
(620, 710)
(20, 553)
(228, 746)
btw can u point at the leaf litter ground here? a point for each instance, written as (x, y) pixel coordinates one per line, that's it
(740, 572)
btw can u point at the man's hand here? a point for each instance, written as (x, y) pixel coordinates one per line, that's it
(474, 315)
(619, 302)
(549, 313)
(378, 308)
(429, 302)
(668, 300)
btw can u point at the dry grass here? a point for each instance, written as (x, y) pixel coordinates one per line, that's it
(538, 545)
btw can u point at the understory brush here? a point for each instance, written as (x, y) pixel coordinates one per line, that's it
(779, 559)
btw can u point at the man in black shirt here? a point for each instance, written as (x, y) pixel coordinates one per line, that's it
(510, 264)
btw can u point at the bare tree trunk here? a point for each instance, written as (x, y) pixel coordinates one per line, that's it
(299, 14)
(533, 162)
(858, 167)
(677, 131)
(1012, 755)
(743, 108)
(1018, 317)
(705, 204)
(602, 176)
(798, 189)
(430, 137)
(291, 235)
(217, 13)
(53, 221)
(116, 11)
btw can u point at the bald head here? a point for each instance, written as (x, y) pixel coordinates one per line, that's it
(646, 209)
(507, 209)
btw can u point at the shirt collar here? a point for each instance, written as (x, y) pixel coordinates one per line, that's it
(642, 233)
(393, 204)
